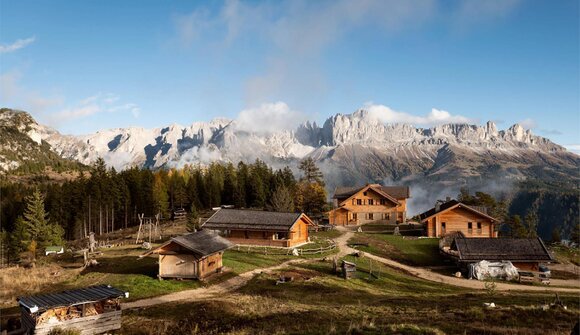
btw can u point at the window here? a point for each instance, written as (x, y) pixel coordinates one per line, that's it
(387, 216)
(365, 194)
(479, 228)
(371, 202)
(359, 201)
(470, 227)
(383, 201)
(443, 227)
(354, 216)
(370, 216)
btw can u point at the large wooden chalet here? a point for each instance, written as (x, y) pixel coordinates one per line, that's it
(372, 203)
(250, 227)
(193, 256)
(524, 253)
(453, 216)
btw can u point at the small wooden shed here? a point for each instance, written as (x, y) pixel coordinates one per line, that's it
(194, 256)
(348, 269)
(90, 310)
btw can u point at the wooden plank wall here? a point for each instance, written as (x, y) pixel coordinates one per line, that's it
(457, 220)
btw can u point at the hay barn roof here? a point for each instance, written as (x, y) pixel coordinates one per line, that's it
(397, 192)
(251, 220)
(70, 298)
(501, 249)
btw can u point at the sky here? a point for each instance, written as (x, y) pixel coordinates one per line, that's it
(81, 66)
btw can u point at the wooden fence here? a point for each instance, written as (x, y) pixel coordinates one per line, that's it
(286, 251)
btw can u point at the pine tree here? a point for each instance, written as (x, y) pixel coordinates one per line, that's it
(281, 200)
(311, 172)
(192, 219)
(40, 230)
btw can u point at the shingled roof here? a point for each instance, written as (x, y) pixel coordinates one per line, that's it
(228, 219)
(450, 204)
(69, 298)
(202, 243)
(501, 249)
(397, 192)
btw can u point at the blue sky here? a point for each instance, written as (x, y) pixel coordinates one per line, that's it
(81, 66)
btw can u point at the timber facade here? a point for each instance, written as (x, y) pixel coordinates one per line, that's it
(453, 216)
(192, 256)
(248, 227)
(371, 203)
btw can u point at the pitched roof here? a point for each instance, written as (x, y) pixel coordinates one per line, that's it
(501, 249)
(70, 297)
(397, 192)
(202, 243)
(252, 220)
(452, 204)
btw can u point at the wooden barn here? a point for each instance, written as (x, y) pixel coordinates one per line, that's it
(262, 228)
(372, 203)
(193, 256)
(91, 310)
(525, 253)
(453, 216)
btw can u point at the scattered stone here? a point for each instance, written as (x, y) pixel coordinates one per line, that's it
(489, 304)
(458, 274)
(146, 246)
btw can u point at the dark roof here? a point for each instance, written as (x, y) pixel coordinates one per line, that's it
(397, 192)
(70, 298)
(251, 220)
(451, 203)
(501, 249)
(203, 242)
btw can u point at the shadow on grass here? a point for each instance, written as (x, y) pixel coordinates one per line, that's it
(125, 265)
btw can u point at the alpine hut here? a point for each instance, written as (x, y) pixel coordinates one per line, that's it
(451, 216)
(90, 310)
(262, 228)
(194, 256)
(524, 253)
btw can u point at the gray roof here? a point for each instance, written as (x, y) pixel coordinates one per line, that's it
(397, 192)
(70, 297)
(203, 242)
(501, 249)
(251, 220)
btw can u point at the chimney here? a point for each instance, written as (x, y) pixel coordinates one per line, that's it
(437, 206)
(447, 199)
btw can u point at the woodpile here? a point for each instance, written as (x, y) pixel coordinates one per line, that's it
(73, 312)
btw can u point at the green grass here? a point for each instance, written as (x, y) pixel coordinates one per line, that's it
(325, 303)
(417, 252)
(240, 261)
(329, 234)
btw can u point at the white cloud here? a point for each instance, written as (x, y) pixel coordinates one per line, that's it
(269, 117)
(13, 94)
(528, 123)
(19, 44)
(472, 12)
(575, 148)
(98, 103)
(435, 117)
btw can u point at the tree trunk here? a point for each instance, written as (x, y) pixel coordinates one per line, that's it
(90, 213)
(112, 219)
(100, 220)
(106, 219)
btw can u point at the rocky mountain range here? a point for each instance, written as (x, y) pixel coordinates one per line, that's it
(351, 149)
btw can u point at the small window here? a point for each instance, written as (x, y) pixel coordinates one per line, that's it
(479, 225)
(371, 202)
(469, 227)
(354, 216)
(383, 201)
(365, 194)
(443, 227)
(370, 216)
(358, 201)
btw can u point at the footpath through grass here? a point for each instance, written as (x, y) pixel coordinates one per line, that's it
(407, 250)
(324, 303)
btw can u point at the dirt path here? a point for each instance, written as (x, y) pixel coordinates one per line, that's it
(344, 249)
(210, 291)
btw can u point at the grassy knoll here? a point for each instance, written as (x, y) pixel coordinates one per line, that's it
(417, 252)
(323, 303)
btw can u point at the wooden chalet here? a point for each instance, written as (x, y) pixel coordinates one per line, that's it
(91, 310)
(193, 256)
(453, 216)
(524, 253)
(372, 203)
(262, 228)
